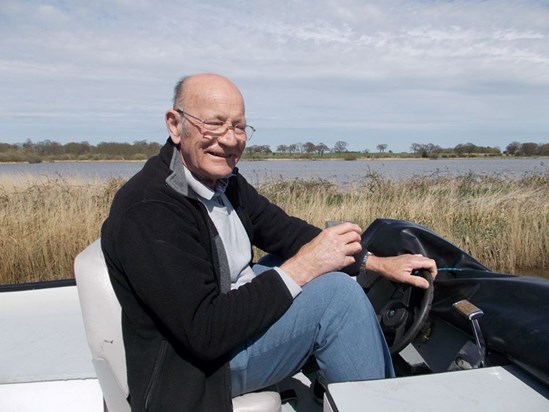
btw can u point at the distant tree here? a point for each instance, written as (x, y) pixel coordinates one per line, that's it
(321, 148)
(282, 148)
(491, 150)
(309, 147)
(340, 146)
(415, 148)
(513, 148)
(110, 149)
(529, 149)
(48, 148)
(366, 151)
(459, 149)
(469, 148)
(259, 149)
(292, 148)
(430, 149)
(382, 147)
(77, 149)
(6, 147)
(28, 145)
(544, 149)
(154, 148)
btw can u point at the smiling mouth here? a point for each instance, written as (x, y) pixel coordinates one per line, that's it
(221, 155)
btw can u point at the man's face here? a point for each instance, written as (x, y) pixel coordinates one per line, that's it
(209, 157)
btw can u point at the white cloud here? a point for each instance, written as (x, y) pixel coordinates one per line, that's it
(396, 66)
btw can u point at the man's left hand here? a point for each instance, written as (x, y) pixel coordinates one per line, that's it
(401, 268)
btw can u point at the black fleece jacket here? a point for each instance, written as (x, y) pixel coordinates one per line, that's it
(167, 266)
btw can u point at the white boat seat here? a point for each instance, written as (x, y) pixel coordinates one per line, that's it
(102, 320)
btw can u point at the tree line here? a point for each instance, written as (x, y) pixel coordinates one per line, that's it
(468, 149)
(48, 150)
(428, 150)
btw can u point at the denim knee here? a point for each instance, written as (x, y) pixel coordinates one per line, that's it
(349, 344)
(342, 285)
(341, 293)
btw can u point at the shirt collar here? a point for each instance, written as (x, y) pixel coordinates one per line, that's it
(204, 191)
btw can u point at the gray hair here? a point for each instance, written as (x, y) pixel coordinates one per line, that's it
(178, 91)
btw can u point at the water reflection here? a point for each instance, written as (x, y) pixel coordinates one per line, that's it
(336, 171)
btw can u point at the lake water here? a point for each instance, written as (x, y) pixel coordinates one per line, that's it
(336, 171)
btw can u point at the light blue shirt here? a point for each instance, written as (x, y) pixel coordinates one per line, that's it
(233, 235)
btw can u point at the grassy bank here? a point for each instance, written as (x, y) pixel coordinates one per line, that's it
(504, 224)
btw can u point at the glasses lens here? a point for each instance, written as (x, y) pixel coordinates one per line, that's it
(219, 128)
(249, 132)
(214, 127)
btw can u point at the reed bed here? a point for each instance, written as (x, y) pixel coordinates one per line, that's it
(503, 223)
(46, 222)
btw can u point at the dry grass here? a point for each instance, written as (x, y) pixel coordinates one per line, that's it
(46, 222)
(504, 224)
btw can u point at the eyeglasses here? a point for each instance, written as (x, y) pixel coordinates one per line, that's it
(218, 128)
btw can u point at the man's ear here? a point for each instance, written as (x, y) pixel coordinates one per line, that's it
(173, 124)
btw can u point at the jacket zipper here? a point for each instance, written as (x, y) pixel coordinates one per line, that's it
(156, 372)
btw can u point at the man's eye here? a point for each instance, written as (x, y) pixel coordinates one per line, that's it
(241, 127)
(214, 123)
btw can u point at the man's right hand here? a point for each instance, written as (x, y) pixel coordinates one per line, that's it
(330, 251)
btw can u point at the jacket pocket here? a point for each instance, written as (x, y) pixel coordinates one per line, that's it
(155, 376)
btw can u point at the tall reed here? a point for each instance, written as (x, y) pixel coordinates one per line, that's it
(503, 223)
(46, 222)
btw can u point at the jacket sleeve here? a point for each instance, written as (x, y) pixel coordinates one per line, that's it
(162, 251)
(272, 229)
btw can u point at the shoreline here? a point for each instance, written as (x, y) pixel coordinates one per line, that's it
(271, 159)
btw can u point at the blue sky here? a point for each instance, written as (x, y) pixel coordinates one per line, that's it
(366, 72)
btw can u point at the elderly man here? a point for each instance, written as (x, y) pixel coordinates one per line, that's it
(201, 322)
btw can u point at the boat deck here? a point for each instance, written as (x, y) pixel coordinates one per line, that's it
(46, 366)
(45, 360)
(46, 363)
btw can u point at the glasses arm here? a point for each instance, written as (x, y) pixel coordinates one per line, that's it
(183, 113)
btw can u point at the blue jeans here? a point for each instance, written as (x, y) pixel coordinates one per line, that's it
(332, 319)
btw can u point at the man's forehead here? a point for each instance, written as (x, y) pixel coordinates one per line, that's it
(207, 92)
(201, 85)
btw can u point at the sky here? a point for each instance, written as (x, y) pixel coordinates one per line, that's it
(364, 72)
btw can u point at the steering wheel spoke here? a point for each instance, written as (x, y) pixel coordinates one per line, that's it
(405, 311)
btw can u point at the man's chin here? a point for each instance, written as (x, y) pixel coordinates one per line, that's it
(221, 172)
(228, 162)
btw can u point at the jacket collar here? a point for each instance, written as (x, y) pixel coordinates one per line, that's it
(179, 179)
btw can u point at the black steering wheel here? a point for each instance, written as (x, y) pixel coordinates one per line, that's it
(402, 310)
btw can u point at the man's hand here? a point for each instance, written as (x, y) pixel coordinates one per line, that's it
(331, 250)
(400, 268)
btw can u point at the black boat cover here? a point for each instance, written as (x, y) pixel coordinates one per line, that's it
(516, 308)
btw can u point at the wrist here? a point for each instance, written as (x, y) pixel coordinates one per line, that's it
(366, 261)
(298, 271)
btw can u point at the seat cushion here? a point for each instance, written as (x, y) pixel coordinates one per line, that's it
(257, 402)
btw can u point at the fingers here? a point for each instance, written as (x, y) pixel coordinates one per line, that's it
(346, 233)
(414, 280)
(345, 227)
(331, 250)
(401, 268)
(418, 281)
(426, 264)
(343, 238)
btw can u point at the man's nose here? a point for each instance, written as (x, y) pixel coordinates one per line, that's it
(229, 137)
